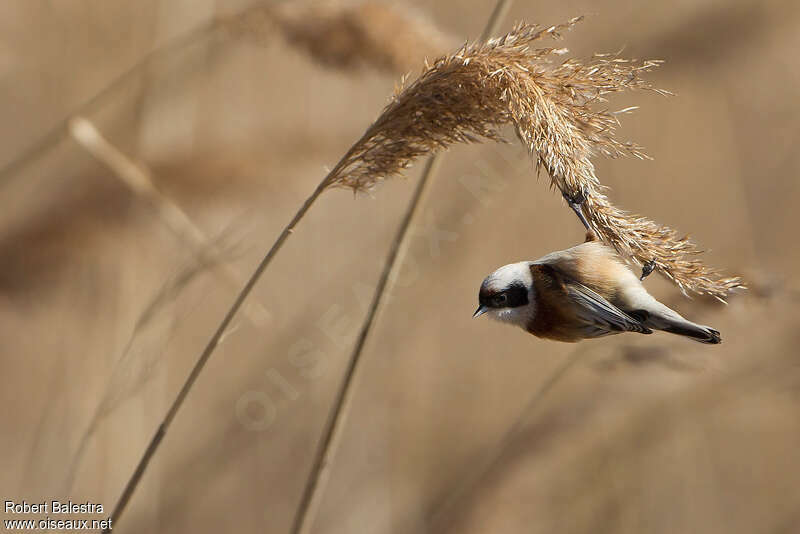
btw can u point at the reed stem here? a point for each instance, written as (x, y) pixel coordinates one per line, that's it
(309, 501)
(334, 424)
(155, 441)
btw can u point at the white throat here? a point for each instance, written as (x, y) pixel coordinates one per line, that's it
(520, 316)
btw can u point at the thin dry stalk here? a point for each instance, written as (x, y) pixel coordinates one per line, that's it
(137, 362)
(332, 431)
(140, 181)
(216, 339)
(334, 426)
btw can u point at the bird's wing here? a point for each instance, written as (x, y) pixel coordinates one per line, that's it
(601, 316)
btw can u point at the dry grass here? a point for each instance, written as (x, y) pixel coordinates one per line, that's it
(336, 34)
(469, 95)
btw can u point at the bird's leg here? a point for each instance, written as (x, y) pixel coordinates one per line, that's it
(575, 202)
(647, 268)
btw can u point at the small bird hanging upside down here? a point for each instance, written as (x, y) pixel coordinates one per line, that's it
(583, 292)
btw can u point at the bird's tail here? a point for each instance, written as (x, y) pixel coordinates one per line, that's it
(667, 320)
(703, 334)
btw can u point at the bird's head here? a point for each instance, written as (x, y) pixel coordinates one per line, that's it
(506, 294)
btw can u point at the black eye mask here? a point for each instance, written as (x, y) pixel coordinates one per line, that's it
(515, 295)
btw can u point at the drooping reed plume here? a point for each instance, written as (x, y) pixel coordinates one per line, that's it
(469, 95)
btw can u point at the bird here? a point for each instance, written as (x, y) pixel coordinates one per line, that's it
(584, 292)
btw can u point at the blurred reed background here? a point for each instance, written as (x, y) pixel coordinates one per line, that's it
(457, 425)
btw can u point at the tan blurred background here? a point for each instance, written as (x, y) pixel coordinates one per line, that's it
(457, 425)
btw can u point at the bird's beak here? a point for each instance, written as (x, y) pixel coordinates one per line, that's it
(480, 311)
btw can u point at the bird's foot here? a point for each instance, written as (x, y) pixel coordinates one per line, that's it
(575, 201)
(647, 268)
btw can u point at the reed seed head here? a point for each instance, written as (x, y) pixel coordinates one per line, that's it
(470, 95)
(349, 35)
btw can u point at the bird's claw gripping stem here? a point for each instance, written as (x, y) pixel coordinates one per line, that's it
(647, 268)
(575, 202)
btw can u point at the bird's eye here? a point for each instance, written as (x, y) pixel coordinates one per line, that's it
(501, 299)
